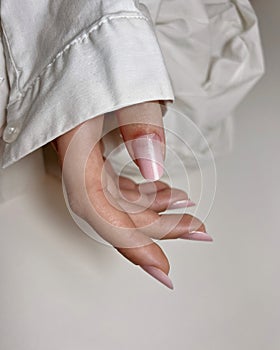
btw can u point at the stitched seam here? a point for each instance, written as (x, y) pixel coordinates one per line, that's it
(78, 39)
(16, 69)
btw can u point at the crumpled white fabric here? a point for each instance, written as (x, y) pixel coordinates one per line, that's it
(214, 57)
(213, 53)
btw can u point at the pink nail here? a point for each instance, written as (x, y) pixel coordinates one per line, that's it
(185, 203)
(158, 275)
(197, 236)
(147, 151)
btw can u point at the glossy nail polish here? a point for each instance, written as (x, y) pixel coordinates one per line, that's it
(147, 151)
(197, 236)
(185, 203)
(158, 275)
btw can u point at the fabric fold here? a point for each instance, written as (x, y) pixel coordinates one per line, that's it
(99, 71)
(213, 53)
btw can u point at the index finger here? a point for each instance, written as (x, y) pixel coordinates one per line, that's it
(142, 129)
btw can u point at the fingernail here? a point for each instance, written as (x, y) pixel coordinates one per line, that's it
(147, 151)
(185, 203)
(158, 275)
(197, 236)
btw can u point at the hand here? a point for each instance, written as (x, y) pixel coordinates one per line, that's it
(125, 214)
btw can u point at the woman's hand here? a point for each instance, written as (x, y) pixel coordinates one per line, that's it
(125, 214)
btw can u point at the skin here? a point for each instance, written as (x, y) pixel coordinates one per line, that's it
(126, 230)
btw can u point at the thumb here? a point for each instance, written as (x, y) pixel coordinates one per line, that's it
(141, 126)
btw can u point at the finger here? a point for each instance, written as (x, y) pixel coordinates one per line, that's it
(186, 227)
(170, 226)
(119, 230)
(147, 187)
(160, 201)
(152, 187)
(169, 198)
(88, 197)
(126, 184)
(157, 195)
(152, 260)
(141, 126)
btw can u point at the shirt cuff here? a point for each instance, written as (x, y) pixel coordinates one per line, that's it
(116, 63)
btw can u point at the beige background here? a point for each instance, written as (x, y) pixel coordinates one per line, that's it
(60, 290)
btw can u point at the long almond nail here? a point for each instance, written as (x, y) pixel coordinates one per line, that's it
(158, 275)
(197, 236)
(147, 151)
(185, 203)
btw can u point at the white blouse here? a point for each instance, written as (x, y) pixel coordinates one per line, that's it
(64, 62)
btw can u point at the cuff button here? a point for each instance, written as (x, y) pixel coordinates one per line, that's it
(11, 133)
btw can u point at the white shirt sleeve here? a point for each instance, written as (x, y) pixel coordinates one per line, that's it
(68, 62)
(4, 90)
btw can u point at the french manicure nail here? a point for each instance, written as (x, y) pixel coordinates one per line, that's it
(185, 203)
(147, 151)
(197, 236)
(158, 275)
